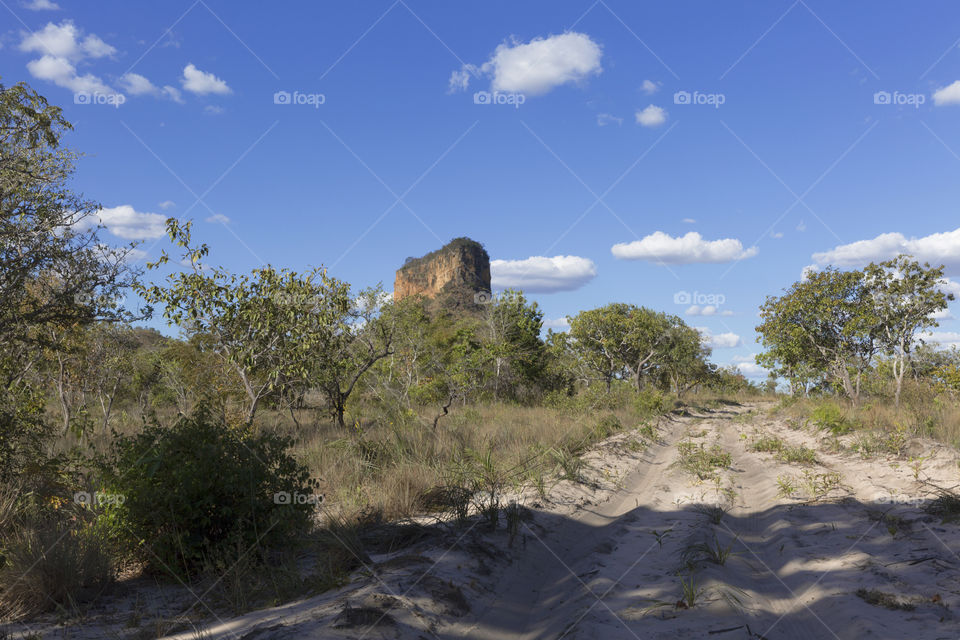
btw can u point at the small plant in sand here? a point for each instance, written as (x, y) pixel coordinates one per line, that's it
(714, 512)
(916, 465)
(714, 552)
(785, 486)
(660, 535)
(799, 454)
(819, 485)
(701, 461)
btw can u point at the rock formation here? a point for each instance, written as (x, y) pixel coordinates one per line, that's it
(456, 275)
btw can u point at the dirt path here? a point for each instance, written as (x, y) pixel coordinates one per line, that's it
(729, 525)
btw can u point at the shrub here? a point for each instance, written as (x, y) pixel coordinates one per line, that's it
(198, 491)
(829, 416)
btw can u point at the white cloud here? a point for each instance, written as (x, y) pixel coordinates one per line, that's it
(42, 5)
(808, 270)
(218, 217)
(173, 93)
(63, 74)
(943, 338)
(687, 249)
(719, 340)
(936, 248)
(751, 370)
(202, 82)
(650, 87)
(652, 116)
(535, 67)
(802, 226)
(707, 310)
(213, 110)
(776, 234)
(137, 85)
(604, 119)
(539, 274)
(166, 204)
(61, 47)
(125, 222)
(949, 94)
(689, 221)
(65, 40)
(950, 286)
(942, 314)
(561, 324)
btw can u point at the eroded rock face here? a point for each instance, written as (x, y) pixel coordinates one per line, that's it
(455, 273)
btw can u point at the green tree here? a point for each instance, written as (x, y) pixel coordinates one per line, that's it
(905, 295)
(826, 322)
(512, 327)
(270, 327)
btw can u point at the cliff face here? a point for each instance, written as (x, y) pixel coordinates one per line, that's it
(452, 275)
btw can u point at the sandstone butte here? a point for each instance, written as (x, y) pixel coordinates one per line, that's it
(453, 275)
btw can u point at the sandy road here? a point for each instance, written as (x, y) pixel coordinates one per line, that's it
(839, 547)
(796, 562)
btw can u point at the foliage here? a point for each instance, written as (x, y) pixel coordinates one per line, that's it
(199, 489)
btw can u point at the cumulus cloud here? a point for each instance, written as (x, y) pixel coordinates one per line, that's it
(202, 82)
(65, 40)
(689, 221)
(539, 274)
(751, 369)
(942, 314)
(42, 5)
(776, 234)
(652, 116)
(61, 47)
(560, 324)
(707, 310)
(949, 94)
(535, 67)
(166, 204)
(719, 340)
(650, 87)
(687, 249)
(936, 248)
(945, 339)
(603, 119)
(218, 217)
(127, 223)
(138, 85)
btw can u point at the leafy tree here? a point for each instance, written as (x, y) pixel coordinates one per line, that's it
(600, 339)
(54, 270)
(826, 323)
(682, 358)
(270, 327)
(905, 295)
(513, 341)
(355, 337)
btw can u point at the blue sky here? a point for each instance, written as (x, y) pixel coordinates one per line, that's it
(692, 157)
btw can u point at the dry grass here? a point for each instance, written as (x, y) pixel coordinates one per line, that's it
(390, 468)
(922, 413)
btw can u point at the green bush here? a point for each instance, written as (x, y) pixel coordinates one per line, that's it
(195, 492)
(829, 416)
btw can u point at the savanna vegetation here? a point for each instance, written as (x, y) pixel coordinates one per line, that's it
(286, 411)
(282, 412)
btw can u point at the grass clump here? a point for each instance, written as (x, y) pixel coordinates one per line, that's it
(701, 461)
